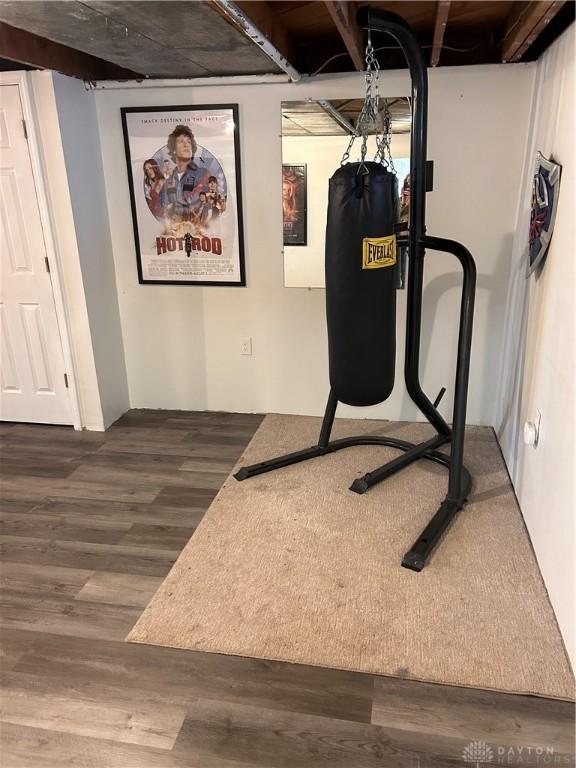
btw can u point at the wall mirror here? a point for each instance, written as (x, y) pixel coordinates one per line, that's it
(315, 135)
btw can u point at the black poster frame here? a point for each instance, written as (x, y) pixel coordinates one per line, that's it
(241, 283)
(304, 171)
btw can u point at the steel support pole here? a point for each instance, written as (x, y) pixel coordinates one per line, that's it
(463, 360)
(396, 27)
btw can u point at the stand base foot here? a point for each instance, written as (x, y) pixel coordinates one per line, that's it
(417, 556)
(413, 562)
(359, 485)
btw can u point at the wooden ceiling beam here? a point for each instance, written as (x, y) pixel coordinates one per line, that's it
(337, 117)
(41, 53)
(525, 24)
(262, 15)
(442, 11)
(343, 15)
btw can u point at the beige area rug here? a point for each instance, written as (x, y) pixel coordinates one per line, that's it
(293, 566)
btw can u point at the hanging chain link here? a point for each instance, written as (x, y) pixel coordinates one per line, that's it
(371, 120)
(346, 155)
(383, 153)
(368, 118)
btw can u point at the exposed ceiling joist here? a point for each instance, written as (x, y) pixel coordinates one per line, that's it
(526, 22)
(343, 15)
(116, 40)
(442, 11)
(26, 48)
(236, 16)
(271, 25)
(338, 118)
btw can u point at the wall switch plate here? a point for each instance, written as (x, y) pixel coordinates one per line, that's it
(246, 345)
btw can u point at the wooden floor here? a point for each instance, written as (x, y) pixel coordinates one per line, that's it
(91, 524)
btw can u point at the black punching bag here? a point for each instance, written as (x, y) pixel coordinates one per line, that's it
(360, 282)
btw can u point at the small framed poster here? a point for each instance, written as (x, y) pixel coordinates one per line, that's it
(185, 191)
(545, 190)
(294, 204)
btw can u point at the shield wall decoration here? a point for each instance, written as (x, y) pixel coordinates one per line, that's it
(545, 188)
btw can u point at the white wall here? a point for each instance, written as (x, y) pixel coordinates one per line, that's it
(304, 264)
(68, 261)
(538, 367)
(182, 343)
(83, 159)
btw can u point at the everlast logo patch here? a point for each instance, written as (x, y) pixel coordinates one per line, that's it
(378, 252)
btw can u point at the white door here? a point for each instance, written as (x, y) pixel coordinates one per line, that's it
(33, 382)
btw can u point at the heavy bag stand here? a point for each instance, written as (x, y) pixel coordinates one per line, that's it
(416, 241)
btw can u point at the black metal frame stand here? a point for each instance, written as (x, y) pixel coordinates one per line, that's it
(460, 481)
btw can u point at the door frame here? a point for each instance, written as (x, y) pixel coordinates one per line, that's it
(22, 81)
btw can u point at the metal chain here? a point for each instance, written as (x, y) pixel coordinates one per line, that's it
(369, 118)
(383, 152)
(346, 155)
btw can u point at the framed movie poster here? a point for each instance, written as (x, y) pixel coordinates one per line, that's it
(545, 190)
(294, 204)
(185, 191)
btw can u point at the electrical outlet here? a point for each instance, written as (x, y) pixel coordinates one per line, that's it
(538, 425)
(246, 345)
(532, 430)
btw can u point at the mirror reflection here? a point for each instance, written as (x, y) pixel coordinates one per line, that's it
(316, 135)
